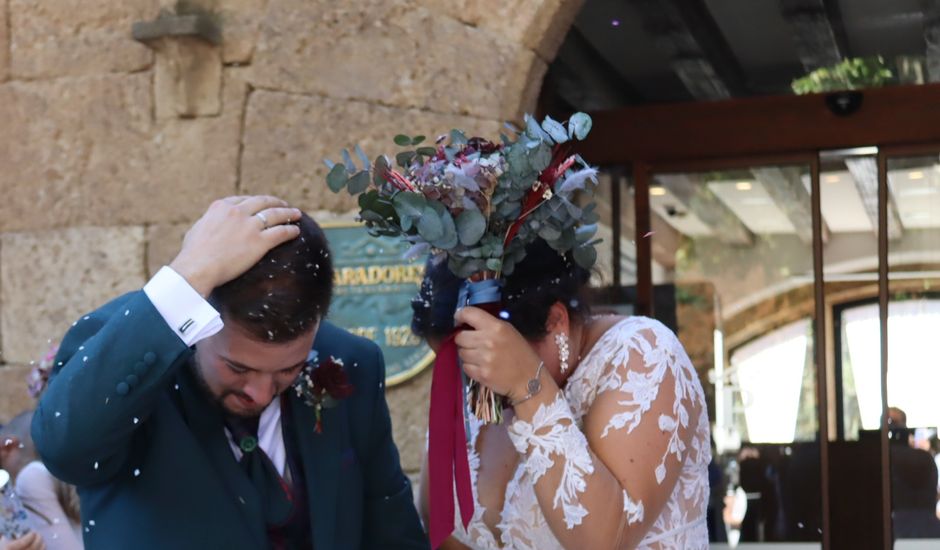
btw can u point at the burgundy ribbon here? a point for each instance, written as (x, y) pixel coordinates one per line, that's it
(448, 466)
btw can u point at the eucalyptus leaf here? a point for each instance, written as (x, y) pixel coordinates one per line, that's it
(336, 179)
(370, 216)
(329, 164)
(380, 170)
(417, 139)
(541, 158)
(427, 151)
(449, 238)
(534, 131)
(402, 140)
(555, 129)
(362, 156)
(429, 225)
(457, 137)
(358, 183)
(471, 226)
(549, 233)
(411, 204)
(584, 233)
(585, 256)
(494, 264)
(350, 165)
(406, 222)
(367, 200)
(579, 125)
(404, 158)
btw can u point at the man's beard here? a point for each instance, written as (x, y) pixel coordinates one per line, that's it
(219, 401)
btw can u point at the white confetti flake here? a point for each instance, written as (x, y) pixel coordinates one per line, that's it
(80, 348)
(127, 312)
(91, 522)
(96, 465)
(176, 387)
(136, 420)
(136, 472)
(85, 359)
(58, 414)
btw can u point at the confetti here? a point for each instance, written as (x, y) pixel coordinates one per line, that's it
(136, 420)
(127, 312)
(649, 234)
(91, 522)
(614, 22)
(136, 472)
(58, 414)
(96, 465)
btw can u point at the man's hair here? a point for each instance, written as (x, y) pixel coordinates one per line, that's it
(286, 293)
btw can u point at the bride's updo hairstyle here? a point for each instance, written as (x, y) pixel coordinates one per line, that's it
(541, 279)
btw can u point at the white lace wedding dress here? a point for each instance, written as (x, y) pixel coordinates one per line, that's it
(644, 363)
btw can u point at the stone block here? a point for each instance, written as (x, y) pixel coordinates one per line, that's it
(240, 23)
(287, 137)
(408, 404)
(86, 151)
(187, 78)
(58, 38)
(163, 243)
(395, 53)
(50, 278)
(14, 398)
(4, 42)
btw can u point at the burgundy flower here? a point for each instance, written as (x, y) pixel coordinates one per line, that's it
(330, 377)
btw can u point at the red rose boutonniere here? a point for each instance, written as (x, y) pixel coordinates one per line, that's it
(322, 384)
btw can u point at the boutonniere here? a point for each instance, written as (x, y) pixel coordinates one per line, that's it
(322, 384)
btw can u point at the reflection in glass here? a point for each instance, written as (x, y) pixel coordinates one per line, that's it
(735, 247)
(913, 362)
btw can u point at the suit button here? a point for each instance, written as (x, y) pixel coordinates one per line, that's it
(150, 358)
(122, 388)
(140, 368)
(132, 380)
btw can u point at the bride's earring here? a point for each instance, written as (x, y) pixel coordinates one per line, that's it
(561, 340)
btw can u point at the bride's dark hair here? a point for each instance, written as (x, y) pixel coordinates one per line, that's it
(541, 279)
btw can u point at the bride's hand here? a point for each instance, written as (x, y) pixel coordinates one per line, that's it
(495, 354)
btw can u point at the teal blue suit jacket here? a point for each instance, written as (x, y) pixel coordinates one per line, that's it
(124, 420)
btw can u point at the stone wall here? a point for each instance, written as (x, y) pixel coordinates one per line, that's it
(111, 147)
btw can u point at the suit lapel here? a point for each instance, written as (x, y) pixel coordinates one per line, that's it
(205, 421)
(320, 455)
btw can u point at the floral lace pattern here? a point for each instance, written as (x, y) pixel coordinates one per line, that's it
(554, 438)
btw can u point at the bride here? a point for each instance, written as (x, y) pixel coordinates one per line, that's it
(608, 449)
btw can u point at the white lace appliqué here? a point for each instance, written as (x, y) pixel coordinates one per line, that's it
(553, 432)
(659, 368)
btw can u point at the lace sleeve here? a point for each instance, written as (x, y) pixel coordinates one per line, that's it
(637, 432)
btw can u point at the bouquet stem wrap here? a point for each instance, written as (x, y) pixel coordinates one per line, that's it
(448, 466)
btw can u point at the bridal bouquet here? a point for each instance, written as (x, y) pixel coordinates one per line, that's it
(480, 203)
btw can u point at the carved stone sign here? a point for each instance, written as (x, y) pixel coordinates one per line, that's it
(373, 288)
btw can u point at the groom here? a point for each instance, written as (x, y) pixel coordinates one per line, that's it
(172, 407)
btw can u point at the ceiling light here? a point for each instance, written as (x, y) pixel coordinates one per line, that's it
(918, 175)
(743, 186)
(833, 179)
(657, 191)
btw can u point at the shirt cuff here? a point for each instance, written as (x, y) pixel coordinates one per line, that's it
(187, 313)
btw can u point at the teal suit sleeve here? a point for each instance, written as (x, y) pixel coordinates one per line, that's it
(390, 513)
(111, 369)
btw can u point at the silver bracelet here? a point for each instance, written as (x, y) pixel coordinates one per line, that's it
(534, 386)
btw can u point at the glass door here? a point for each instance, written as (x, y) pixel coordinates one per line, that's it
(734, 249)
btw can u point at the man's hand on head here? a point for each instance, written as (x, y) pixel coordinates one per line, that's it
(231, 237)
